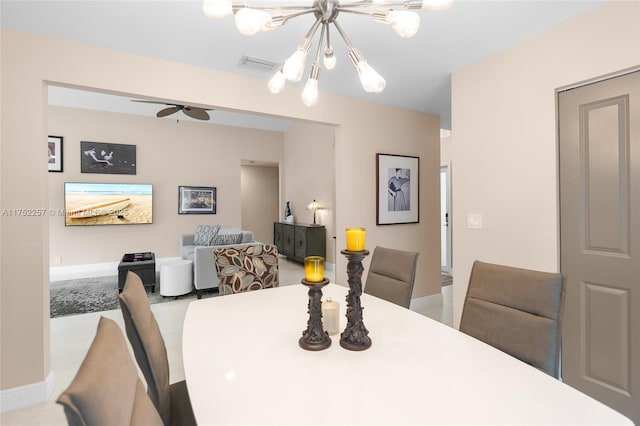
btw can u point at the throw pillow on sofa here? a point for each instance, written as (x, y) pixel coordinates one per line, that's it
(226, 239)
(204, 234)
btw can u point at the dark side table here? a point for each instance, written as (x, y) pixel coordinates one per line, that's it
(143, 264)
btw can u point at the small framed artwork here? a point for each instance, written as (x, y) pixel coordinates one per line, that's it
(196, 200)
(397, 193)
(109, 158)
(54, 153)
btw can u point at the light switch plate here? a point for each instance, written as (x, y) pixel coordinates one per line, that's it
(474, 221)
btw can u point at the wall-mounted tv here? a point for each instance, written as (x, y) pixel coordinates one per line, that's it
(107, 203)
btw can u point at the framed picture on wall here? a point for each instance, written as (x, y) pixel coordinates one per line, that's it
(109, 158)
(54, 153)
(196, 200)
(397, 195)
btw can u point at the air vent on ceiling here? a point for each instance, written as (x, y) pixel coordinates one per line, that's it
(258, 64)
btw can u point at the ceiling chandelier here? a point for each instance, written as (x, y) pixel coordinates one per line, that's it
(253, 18)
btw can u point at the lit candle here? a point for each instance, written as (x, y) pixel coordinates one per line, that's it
(314, 268)
(331, 316)
(355, 239)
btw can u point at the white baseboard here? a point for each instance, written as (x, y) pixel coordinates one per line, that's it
(73, 272)
(27, 395)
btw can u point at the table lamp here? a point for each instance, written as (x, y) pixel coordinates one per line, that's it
(314, 205)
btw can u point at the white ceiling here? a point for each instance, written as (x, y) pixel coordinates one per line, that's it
(417, 70)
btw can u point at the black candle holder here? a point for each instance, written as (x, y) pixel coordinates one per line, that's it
(314, 338)
(356, 336)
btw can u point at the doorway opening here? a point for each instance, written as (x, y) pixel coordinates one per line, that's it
(445, 219)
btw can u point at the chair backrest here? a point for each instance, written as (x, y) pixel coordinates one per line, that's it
(107, 390)
(518, 311)
(391, 275)
(246, 268)
(147, 343)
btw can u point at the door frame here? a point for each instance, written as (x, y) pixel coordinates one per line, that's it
(447, 268)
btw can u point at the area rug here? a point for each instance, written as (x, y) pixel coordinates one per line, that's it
(85, 295)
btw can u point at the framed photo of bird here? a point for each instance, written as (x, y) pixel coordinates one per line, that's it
(108, 158)
(397, 189)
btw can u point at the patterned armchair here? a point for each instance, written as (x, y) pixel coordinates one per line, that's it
(249, 268)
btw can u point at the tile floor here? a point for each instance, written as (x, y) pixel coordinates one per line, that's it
(72, 335)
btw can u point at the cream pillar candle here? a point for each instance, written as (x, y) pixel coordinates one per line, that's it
(331, 316)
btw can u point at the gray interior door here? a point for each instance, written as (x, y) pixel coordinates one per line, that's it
(599, 143)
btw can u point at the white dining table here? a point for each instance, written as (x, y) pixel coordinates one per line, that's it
(243, 365)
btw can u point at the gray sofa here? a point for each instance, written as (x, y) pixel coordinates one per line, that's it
(200, 246)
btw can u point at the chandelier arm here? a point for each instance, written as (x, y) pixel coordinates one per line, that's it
(307, 38)
(407, 4)
(296, 14)
(354, 54)
(328, 42)
(355, 11)
(240, 5)
(317, 59)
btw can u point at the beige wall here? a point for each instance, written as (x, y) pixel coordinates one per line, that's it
(445, 149)
(260, 200)
(309, 173)
(29, 61)
(505, 157)
(168, 154)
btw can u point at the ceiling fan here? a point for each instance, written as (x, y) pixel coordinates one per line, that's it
(191, 111)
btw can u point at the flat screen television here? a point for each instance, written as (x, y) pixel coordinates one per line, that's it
(107, 203)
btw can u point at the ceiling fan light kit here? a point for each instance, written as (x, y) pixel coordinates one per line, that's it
(253, 18)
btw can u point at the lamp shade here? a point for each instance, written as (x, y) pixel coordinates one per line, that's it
(314, 205)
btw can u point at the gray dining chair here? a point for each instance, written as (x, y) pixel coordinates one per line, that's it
(171, 400)
(391, 275)
(107, 389)
(518, 311)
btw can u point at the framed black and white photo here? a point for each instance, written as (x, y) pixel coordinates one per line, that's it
(196, 200)
(397, 193)
(109, 158)
(54, 153)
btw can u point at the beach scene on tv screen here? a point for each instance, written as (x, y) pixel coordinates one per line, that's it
(108, 204)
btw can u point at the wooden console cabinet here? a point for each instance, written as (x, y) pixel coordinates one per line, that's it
(297, 240)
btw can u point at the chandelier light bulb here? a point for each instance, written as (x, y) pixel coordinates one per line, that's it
(294, 66)
(329, 60)
(310, 92)
(436, 4)
(250, 21)
(404, 22)
(371, 81)
(217, 8)
(277, 82)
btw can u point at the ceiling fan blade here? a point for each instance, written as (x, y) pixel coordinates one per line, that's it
(168, 111)
(151, 102)
(197, 113)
